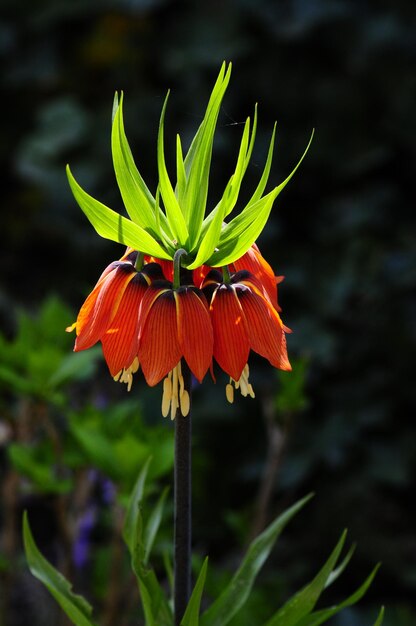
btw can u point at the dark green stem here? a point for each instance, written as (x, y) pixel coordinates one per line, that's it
(226, 276)
(177, 267)
(182, 506)
(139, 261)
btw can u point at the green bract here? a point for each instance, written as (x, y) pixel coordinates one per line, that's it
(176, 217)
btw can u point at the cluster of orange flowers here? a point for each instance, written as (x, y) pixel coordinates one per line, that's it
(143, 321)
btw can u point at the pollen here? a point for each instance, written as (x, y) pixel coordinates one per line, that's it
(175, 396)
(126, 374)
(242, 384)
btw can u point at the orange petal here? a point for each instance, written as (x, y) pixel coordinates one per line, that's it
(149, 298)
(86, 313)
(231, 344)
(159, 350)
(256, 264)
(101, 306)
(265, 329)
(121, 339)
(107, 270)
(194, 330)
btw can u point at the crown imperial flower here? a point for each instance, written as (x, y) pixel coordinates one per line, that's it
(144, 321)
(163, 303)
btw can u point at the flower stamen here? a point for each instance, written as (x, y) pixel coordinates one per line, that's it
(242, 384)
(126, 374)
(175, 396)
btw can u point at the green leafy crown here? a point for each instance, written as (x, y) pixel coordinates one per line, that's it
(176, 217)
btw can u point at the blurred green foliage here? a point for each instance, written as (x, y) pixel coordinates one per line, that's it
(139, 535)
(342, 233)
(71, 458)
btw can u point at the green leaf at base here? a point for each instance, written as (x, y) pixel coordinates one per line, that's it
(319, 617)
(191, 617)
(236, 593)
(130, 530)
(153, 524)
(139, 540)
(75, 606)
(303, 602)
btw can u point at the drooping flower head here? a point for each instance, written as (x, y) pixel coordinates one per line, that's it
(163, 306)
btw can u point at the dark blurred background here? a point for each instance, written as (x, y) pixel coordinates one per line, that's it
(342, 233)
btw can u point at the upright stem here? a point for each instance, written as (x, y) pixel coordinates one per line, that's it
(177, 260)
(182, 505)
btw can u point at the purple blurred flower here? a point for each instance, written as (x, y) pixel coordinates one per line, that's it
(81, 547)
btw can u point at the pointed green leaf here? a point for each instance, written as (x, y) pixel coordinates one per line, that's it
(180, 172)
(380, 617)
(193, 148)
(160, 216)
(168, 565)
(265, 176)
(227, 202)
(191, 617)
(252, 139)
(137, 198)
(153, 524)
(319, 617)
(240, 234)
(207, 244)
(246, 228)
(130, 522)
(214, 222)
(243, 159)
(111, 225)
(146, 600)
(76, 607)
(236, 593)
(115, 107)
(336, 573)
(174, 214)
(155, 604)
(303, 602)
(198, 159)
(158, 210)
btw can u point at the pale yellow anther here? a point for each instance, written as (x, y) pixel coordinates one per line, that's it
(185, 403)
(126, 374)
(167, 394)
(243, 384)
(135, 365)
(229, 392)
(175, 396)
(243, 387)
